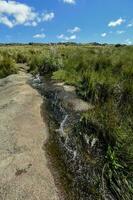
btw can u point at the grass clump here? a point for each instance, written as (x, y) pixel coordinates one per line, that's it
(7, 66)
(21, 57)
(45, 63)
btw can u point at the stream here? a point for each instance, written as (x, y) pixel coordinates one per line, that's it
(76, 155)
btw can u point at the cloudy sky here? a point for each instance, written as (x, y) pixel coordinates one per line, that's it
(66, 20)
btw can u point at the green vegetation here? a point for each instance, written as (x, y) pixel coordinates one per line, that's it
(45, 62)
(7, 66)
(103, 76)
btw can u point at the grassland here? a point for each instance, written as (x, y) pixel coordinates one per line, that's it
(103, 76)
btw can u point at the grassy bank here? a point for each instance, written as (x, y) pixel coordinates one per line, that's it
(104, 77)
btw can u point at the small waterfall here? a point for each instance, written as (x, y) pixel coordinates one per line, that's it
(36, 81)
(63, 134)
(61, 129)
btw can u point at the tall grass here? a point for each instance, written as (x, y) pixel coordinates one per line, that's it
(45, 62)
(104, 77)
(7, 66)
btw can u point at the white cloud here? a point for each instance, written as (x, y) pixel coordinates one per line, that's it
(70, 1)
(60, 36)
(74, 30)
(118, 22)
(34, 23)
(130, 25)
(48, 16)
(13, 13)
(66, 38)
(72, 37)
(128, 41)
(120, 32)
(104, 34)
(39, 36)
(6, 21)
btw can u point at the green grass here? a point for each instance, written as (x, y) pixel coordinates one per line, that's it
(103, 76)
(7, 66)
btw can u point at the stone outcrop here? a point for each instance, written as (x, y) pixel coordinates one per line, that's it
(24, 170)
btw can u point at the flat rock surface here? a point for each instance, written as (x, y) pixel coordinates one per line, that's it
(67, 95)
(24, 171)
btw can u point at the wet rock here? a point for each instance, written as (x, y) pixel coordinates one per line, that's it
(81, 151)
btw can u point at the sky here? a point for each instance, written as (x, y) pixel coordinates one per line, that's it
(66, 21)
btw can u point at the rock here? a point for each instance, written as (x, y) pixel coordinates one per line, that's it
(24, 170)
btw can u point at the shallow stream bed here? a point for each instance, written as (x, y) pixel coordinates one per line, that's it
(76, 157)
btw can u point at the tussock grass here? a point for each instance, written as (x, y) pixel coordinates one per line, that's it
(104, 77)
(7, 66)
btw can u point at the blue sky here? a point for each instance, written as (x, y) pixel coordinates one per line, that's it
(66, 20)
